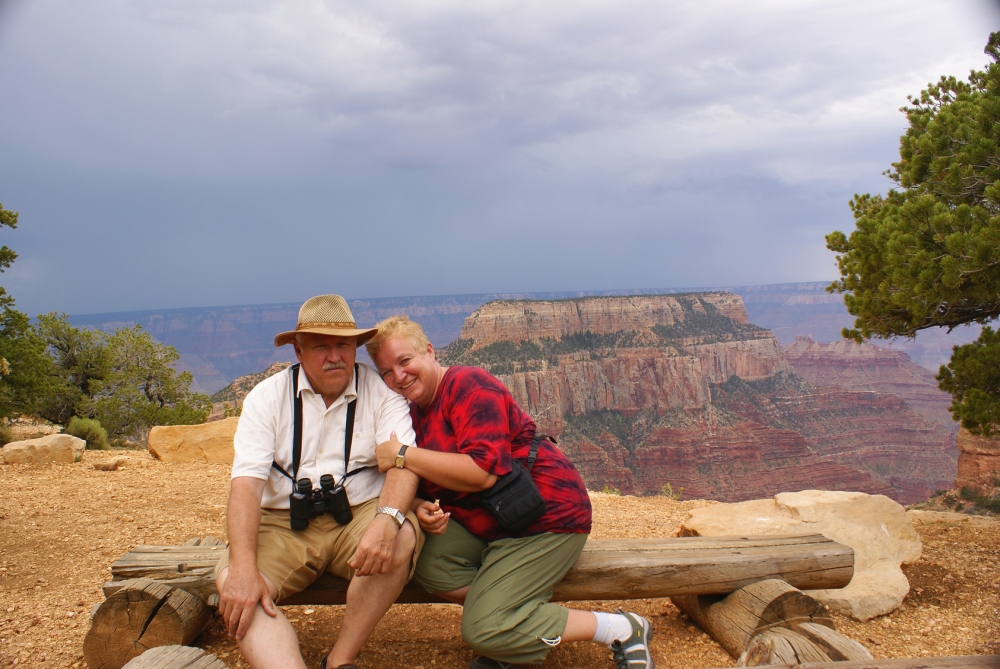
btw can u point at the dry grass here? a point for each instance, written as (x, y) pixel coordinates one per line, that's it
(61, 526)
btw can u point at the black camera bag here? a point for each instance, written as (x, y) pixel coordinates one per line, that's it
(514, 499)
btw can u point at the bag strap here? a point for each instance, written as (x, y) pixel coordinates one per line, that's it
(474, 503)
(293, 371)
(534, 448)
(349, 428)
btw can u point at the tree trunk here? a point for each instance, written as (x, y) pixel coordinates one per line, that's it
(144, 615)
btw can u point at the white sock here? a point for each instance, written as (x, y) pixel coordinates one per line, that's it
(612, 627)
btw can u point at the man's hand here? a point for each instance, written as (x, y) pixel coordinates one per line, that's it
(432, 521)
(243, 590)
(386, 453)
(375, 549)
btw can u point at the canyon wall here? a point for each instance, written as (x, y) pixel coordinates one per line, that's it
(865, 366)
(648, 390)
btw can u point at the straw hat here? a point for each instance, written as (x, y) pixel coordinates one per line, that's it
(327, 315)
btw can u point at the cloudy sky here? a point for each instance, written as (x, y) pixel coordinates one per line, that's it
(211, 152)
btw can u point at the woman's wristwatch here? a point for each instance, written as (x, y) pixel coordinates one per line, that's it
(401, 457)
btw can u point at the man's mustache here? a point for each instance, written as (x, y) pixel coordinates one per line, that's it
(327, 366)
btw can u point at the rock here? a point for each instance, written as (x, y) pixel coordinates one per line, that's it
(109, 465)
(877, 528)
(949, 518)
(978, 460)
(52, 448)
(208, 442)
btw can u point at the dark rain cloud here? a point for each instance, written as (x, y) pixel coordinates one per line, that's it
(184, 153)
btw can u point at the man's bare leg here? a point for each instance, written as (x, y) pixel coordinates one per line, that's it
(369, 597)
(269, 642)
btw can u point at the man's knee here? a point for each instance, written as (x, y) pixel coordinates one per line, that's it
(406, 543)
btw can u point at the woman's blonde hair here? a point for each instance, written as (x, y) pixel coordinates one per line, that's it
(396, 326)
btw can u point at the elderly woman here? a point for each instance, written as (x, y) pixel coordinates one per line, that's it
(470, 432)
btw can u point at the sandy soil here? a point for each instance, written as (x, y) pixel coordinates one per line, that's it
(61, 526)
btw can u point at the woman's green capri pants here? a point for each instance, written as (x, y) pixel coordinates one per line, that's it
(507, 613)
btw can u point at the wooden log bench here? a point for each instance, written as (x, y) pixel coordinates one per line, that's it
(129, 621)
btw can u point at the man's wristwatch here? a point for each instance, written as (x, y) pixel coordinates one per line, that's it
(395, 514)
(401, 457)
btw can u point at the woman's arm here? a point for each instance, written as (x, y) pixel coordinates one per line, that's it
(454, 471)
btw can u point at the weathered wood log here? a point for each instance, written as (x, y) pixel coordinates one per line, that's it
(198, 582)
(770, 622)
(204, 541)
(175, 657)
(779, 645)
(751, 610)
(947, 662)
(146, 615)
(618, 569)
(836, 646)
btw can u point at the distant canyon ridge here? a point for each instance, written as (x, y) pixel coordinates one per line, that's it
(219, 344)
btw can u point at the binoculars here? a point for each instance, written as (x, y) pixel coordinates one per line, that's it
(306, 502)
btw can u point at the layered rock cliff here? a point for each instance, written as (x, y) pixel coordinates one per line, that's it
(865, 366)
(682, 389)
(978, 460)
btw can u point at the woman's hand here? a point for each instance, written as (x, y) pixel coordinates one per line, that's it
(386, 452)
(430, 517)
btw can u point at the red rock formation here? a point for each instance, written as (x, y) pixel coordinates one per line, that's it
(680, 389)
(523, 320)
(865, 366)
(978, 460)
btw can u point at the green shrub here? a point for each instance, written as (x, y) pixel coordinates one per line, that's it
(608, 490)
(968, 493)
(90, 431)
(668, 491)
(959, 506)
(987, 504)
(6, 436)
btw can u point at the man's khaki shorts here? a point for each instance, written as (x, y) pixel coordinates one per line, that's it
(293, 560)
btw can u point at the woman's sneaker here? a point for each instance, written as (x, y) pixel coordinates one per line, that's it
(633, 653)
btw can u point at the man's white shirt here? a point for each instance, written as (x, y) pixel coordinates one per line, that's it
(264, 434)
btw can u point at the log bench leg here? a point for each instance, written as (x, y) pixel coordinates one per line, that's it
(175, 657)
(145, 615)
(770, 622)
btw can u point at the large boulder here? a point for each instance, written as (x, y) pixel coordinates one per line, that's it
(876, 527)
(978, 460)
(208, 442)
(51, 448)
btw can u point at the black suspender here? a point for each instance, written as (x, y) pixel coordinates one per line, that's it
(297, 428)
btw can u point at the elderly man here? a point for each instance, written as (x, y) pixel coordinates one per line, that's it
(324, 416)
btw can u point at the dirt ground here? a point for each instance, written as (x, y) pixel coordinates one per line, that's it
(61, 526)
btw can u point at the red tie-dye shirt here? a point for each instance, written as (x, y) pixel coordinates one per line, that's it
(474, 413)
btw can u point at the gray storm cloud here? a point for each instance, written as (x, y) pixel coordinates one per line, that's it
(182, 153)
